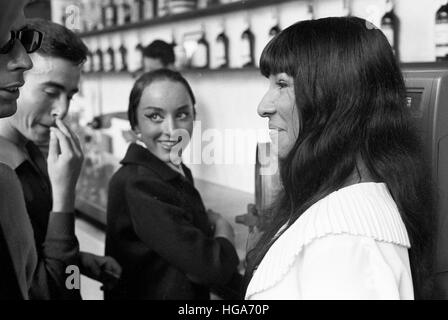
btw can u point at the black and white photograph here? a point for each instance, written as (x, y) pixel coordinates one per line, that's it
(223, 154)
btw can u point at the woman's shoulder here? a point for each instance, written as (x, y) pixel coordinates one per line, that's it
(364, 210)
(128, 174)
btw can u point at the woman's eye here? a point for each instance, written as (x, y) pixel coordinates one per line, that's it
(282, 84)
(182, 115)
(154, 117)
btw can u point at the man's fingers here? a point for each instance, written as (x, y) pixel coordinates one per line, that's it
(72, 138)
(65, 146)
(53, 147)
(63, 127)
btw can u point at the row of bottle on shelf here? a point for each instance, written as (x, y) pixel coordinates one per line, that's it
(120, 58)
(117, 56)
(90, 15)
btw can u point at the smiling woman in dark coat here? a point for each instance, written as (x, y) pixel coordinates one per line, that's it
(169, 246)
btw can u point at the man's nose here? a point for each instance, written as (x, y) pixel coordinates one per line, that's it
(60, 107)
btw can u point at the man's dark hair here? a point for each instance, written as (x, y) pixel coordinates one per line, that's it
(159, 49)
(59, 41)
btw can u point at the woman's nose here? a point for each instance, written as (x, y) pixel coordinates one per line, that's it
(266, 107)
(169, 125)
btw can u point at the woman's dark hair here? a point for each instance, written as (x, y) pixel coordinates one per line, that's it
(350, 96)
(145, 80)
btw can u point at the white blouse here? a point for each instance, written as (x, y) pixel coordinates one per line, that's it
(350, 245)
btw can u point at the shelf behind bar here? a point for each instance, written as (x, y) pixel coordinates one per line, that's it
(404, 66)
(183, 71)
(199, 13)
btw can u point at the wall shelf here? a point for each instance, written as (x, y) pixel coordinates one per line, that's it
(183, 71)
(195, 14)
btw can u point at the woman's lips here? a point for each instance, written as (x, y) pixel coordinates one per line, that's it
(168, 144)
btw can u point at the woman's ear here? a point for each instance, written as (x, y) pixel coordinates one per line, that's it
(137, 132)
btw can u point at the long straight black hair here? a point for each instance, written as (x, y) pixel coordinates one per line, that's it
(350, 96)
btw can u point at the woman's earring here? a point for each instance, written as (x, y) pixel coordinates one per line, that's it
(139, 136)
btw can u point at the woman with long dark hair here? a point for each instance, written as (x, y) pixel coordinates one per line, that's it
(354, 217)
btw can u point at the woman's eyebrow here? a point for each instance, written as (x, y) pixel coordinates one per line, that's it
(185, 106)
(153, 108)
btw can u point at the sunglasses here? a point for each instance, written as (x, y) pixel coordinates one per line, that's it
(31, 40)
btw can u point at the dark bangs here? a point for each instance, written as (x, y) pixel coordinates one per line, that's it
(278, 57)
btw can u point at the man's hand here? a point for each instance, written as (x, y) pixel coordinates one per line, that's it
(103, 269)
(65, 159)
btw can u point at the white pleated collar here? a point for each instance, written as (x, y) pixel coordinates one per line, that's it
(363, 209)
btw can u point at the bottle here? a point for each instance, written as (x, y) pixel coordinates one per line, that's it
(390, 26)
(149, 11)
(347, 8)
(201, 57)
(87, 66)
(179, 53)
(310, 10)
(64, 17)
(161, 8)
(141, 61)
(123, 57)
(110, 14)
(248, 47)
(275, 29)
(222, 49)
(98, 17)
(211, 3)
(109, 60)
(98, 61)
(138, 10)
(124, 13)
(441, 33)
(84, 15)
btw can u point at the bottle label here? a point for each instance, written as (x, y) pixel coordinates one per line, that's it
(96, 62)
(149, 9)
(220, 53)
(389, 33)
(107, 62)
(199, 59)
(86, 65)
(118, 62)
(162, 8)
(124, 15)
(245, 52)
(441, 34)
(441, 39)
(109, 16)
(181, 57)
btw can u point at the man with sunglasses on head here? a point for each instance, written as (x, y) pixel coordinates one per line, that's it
(44, 103)
(24, 273)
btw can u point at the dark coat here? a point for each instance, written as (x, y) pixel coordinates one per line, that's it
(158, 230)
